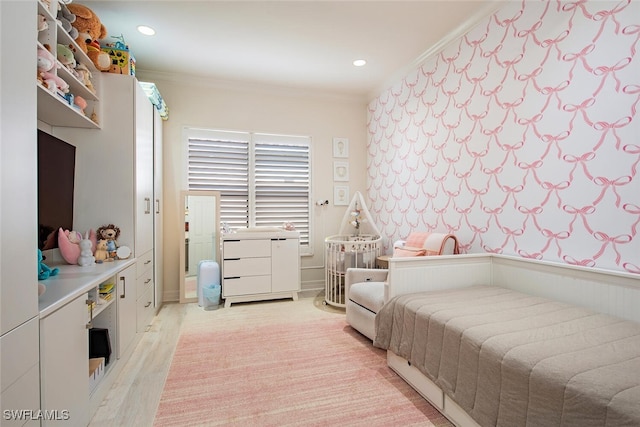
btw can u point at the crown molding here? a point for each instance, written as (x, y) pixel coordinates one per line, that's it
(489, 9)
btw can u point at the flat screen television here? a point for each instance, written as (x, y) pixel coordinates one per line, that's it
(56, 172)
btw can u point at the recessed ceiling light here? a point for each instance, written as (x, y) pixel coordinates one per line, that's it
(359, 62)
(147, 31)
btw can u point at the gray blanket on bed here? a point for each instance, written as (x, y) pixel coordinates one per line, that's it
(511, 359)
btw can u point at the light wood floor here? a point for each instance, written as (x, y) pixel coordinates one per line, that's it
(135, 394)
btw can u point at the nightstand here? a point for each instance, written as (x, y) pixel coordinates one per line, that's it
(382, 261)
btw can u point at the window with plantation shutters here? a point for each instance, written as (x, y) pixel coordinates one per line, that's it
(263, 179)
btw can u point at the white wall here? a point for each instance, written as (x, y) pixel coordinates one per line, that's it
(200, 103)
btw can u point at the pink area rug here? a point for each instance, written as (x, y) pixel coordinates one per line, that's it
(312, 373)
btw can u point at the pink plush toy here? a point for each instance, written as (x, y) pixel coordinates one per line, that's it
(69, 244)
(54, 82)
(46, 63)
(46, 60)
(80, 102)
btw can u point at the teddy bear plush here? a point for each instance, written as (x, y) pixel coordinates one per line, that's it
(90, 30)
(101, 254)
(110, 234)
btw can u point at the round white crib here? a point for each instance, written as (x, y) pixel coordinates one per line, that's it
(344, 252)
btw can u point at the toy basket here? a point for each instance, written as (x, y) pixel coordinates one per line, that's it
(344, 252)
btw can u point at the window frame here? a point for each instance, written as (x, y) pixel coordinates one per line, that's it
(253, 138)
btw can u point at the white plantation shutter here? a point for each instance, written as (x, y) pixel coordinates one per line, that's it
(263, 180)
(282, 182)
(219, 161)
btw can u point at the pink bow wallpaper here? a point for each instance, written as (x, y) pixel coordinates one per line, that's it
(522, 137)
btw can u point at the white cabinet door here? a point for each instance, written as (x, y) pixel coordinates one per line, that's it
(285, 265)
(143, 171)
(126, 300)
(18, 159)
(64, 364)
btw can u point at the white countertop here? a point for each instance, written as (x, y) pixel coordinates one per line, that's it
(73, 281)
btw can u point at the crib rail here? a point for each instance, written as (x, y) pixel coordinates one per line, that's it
(343, 252)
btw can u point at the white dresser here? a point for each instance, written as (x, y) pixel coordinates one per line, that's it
(260, 265)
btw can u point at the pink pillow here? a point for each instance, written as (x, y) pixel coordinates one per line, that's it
(406, 251)
(417, 239)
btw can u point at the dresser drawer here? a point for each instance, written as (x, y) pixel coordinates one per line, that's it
(247, 248)
(246, 285)
(143, 282)
(144, 263)
(247, 267)
(144, 310)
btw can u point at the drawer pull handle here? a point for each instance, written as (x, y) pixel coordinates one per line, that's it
(147, 208)
(231, 278)
(147, 262)
(89, 324)
(147, 281)
(124, 287)
(232, 259)
(148, 304)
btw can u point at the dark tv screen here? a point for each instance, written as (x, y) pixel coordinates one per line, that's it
(56, 170)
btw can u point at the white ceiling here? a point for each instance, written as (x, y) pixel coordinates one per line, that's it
(299, 44)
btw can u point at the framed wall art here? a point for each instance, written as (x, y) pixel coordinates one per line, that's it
(341, 171)
(341, 148)
(340, 195)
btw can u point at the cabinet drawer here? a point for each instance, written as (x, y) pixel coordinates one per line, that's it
(247, 248)
(144, 263)
(143, 282)
(247, 267)
(144, 310)
(22, 394)
(246, 285)
(19, 352)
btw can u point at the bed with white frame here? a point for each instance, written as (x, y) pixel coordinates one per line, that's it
(609, 292)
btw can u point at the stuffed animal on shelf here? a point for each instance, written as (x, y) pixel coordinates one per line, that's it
(86, 255)
(42, 23)
(66, 19)
(110, 233)
(101, 255)
(44, 271)
(90, 30)
(69, 244)
(66, 58)
(46, 63)
(80, 103)
(85, 76)
(54, 83)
